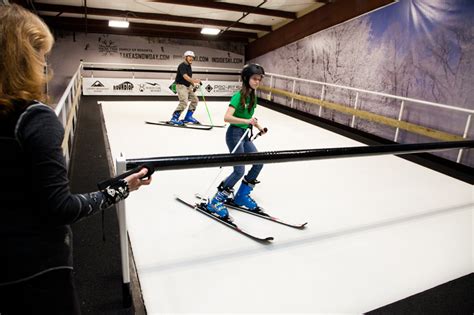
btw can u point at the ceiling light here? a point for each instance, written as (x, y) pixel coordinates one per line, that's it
(116, 23)
(210, 31)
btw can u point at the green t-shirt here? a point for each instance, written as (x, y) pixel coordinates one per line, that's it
(239, 112)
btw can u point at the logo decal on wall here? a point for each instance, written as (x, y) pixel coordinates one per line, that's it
(226, 88)
(97, 84)
(125, 86)
(107, 47)
(131, 86)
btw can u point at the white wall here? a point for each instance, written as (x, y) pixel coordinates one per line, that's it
(69, 50)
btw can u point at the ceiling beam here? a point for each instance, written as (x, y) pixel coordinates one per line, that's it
(141, 29)
(328, 15)
(231, 7)
(148, 16)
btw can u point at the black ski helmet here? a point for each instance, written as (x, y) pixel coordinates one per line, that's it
(249, 70)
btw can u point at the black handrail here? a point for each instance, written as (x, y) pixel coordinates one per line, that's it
(214, 160)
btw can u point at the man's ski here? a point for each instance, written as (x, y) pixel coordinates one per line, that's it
(205, 125)
(260, 214)
(201, 208)
(191, 126)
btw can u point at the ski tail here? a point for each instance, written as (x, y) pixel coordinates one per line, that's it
(185, 126)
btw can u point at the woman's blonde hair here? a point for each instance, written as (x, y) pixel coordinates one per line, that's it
(24, 41)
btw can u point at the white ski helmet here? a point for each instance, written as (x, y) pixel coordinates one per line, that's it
(189, 53)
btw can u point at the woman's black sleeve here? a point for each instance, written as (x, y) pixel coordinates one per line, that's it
(40, 134)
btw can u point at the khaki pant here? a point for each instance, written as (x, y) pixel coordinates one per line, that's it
(186, 94)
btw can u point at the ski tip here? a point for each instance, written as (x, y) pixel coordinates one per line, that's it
(302, 226)
(264, 240)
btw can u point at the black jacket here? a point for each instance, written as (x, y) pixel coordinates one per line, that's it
(36, 205)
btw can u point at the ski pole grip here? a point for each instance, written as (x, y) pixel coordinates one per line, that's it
(196, 86)
(149, 167)
(265, 130)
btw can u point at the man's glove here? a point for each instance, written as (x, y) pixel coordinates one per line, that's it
(196, 86)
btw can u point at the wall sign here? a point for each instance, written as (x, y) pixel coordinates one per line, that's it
(145, 87)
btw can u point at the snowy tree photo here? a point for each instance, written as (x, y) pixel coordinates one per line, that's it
(420, 49)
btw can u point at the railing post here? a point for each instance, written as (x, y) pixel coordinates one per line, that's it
(400, 115)
(120, 167)
(67, 157)
(355, 107)
(64, 115)
(271, 86)
(74, 87)
(323, 91)
(466, 130)
(78, 83)
(69, 103)
(293, 92)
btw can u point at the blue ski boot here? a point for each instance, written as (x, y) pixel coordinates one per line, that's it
(216, 205)
(175, 119)
(242, 197)
(189, 119)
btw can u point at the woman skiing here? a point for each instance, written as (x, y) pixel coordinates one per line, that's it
(240, 116)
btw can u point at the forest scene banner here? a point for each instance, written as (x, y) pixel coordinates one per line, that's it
(422, 49)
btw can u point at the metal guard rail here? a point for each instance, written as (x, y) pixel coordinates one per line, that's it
(292, 96)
